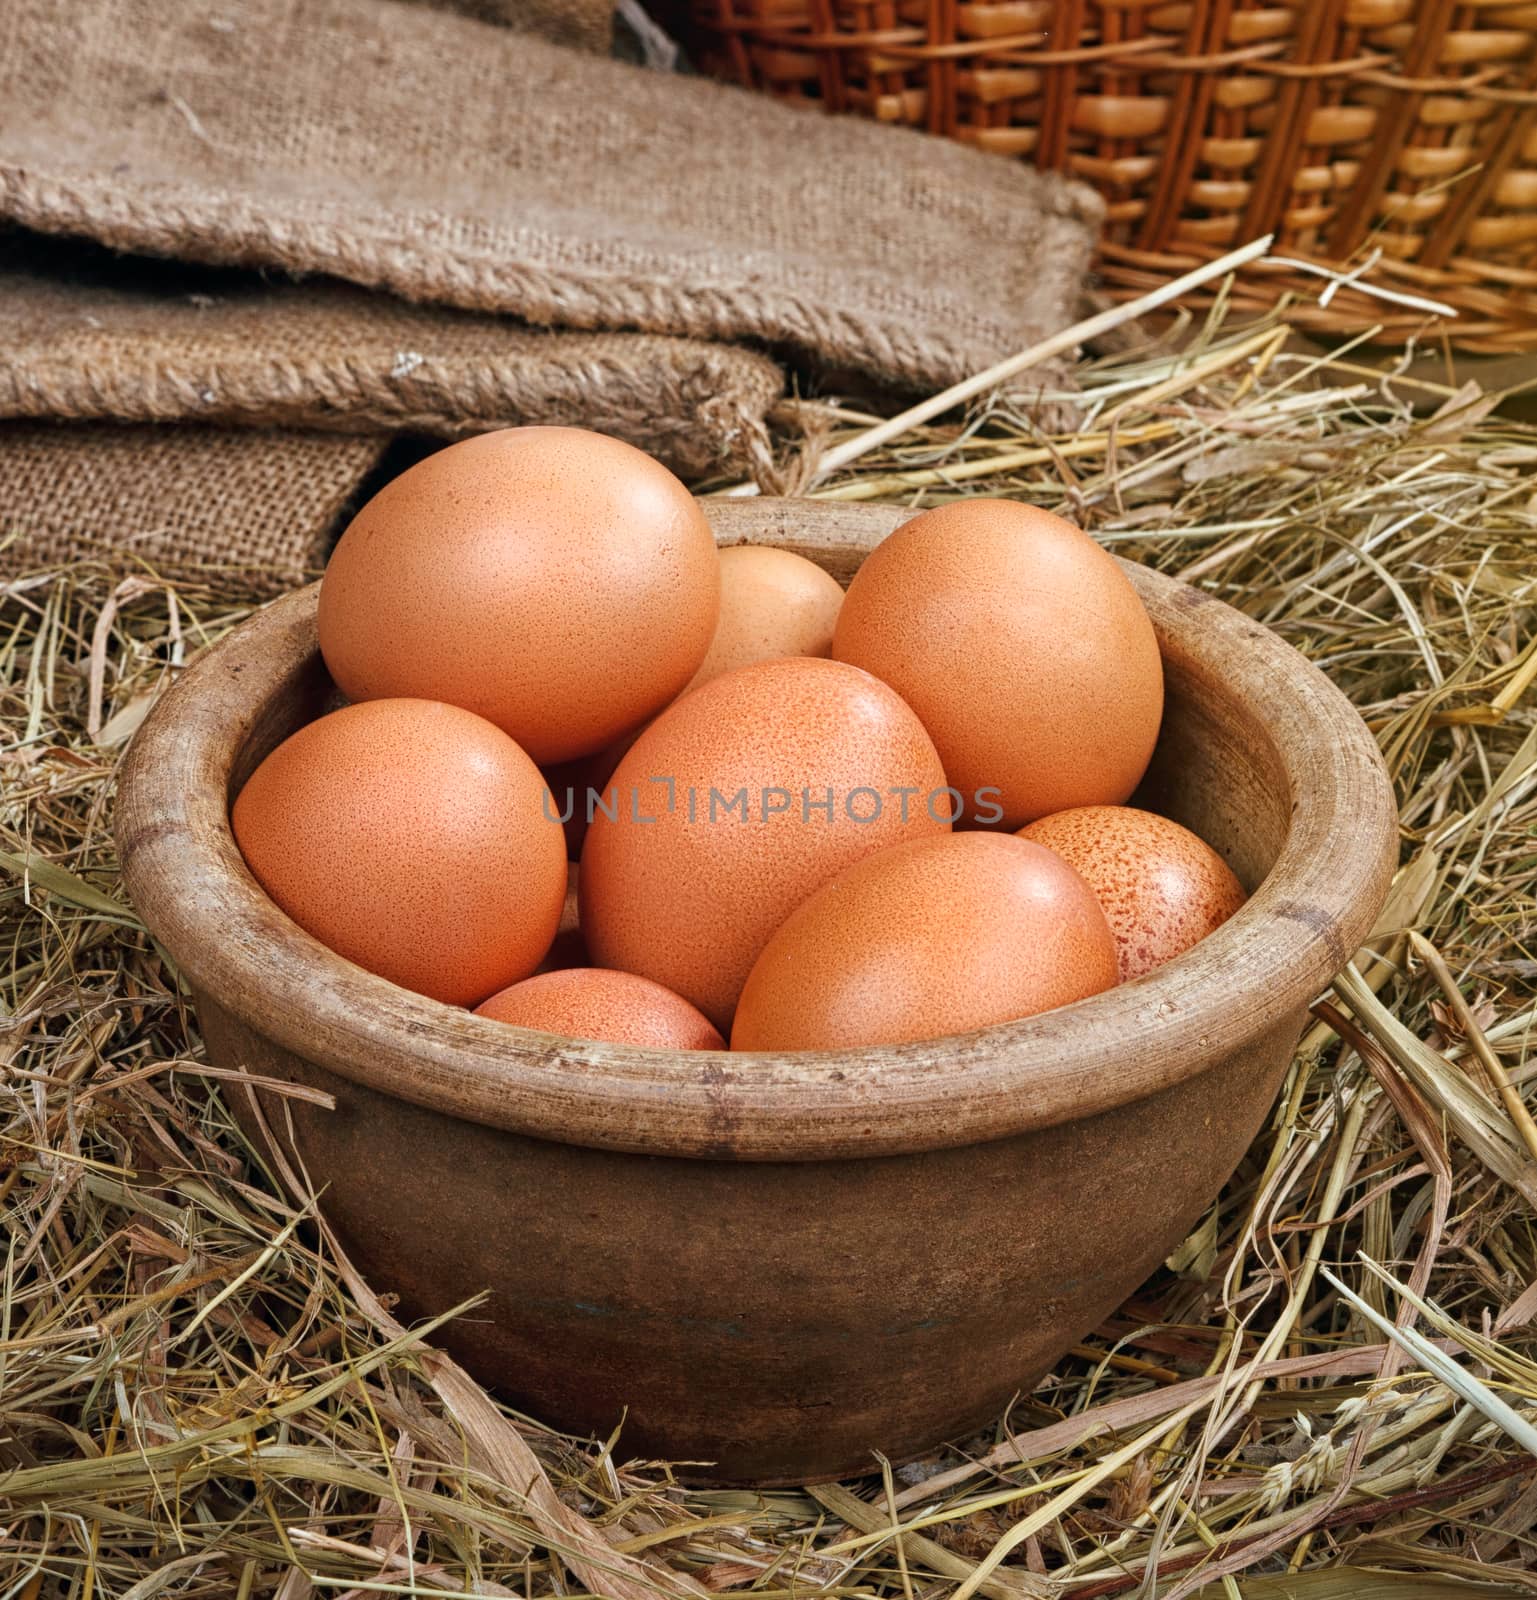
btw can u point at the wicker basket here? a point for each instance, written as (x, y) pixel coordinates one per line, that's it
(1398, 133)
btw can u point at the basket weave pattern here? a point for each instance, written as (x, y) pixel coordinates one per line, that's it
(1350, 127)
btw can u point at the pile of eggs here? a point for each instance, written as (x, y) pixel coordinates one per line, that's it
(805, 819)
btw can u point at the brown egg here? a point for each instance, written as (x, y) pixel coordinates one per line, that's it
(597, 1003)
(932, 937)
(1023, 648)
(691, 897)
(569, 948)
(772, 603)
(1162, 888)
(409, 837)
(560, 583)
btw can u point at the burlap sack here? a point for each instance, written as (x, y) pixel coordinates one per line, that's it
(227, 349)
(577, 24)
(452, 161)
(251, 510)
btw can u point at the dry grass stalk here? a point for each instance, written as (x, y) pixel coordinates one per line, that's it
(200, 1399)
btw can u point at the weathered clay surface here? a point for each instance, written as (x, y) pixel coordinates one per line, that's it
(781, 1264)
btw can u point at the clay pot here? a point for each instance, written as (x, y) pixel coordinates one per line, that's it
(779, 1264)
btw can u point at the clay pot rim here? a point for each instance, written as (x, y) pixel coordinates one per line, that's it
(189, 883)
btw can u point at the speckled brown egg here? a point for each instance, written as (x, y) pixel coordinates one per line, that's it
(933, 937)
(772, 603)
(409, 837)
(597, 1003)
(1023, 648)
(561, 584)
(769, 770)
(1162, 888)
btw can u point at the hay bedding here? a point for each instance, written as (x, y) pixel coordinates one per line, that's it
(199, 1401)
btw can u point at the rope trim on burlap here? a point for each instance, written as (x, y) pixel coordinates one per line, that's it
(705, 415)
(228, 231)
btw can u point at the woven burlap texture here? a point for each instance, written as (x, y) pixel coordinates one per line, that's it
(333, 356)
(237, 505)
(449, 160)
(577, 24)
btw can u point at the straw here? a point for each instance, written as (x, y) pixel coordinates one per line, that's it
(1066, 342)
(199, 1398)
(1490, 1062)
